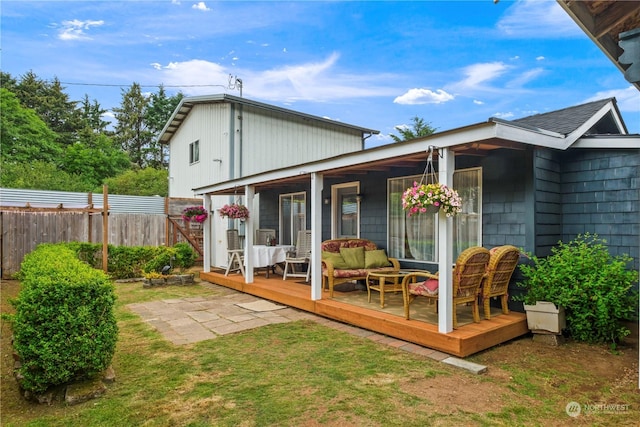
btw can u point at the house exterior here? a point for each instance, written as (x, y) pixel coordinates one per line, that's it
(529, 182)
(218, 138)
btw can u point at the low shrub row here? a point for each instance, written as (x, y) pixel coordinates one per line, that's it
(64, 325)
(125, 262)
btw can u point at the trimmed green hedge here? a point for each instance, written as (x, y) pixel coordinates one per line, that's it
(64, 326)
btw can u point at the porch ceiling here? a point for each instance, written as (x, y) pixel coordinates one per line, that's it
(475, 148)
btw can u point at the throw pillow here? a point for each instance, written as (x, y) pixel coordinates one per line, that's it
(354, 257)
(376, 259)
(336, 259)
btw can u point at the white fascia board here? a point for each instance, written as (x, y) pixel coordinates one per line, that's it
(537, 137)
(580, 132)
(612, 141)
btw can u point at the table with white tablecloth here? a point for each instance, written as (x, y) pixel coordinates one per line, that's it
(264, 256)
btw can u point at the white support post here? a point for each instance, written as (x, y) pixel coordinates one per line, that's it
(249, 193)
(316, 236)
(446, 165)
(207, 240)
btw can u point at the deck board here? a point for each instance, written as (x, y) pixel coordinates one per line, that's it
(464, 341)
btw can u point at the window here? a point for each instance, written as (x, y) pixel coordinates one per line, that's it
(345, 216)
(293, 217)
(194, 152)
(416, 237)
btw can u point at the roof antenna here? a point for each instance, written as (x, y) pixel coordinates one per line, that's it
(235, 83)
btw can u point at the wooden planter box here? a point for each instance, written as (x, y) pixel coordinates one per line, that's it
(545, 317)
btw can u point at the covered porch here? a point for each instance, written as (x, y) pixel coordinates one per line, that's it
(350, 306)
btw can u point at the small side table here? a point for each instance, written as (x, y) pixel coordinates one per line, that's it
(384, 282)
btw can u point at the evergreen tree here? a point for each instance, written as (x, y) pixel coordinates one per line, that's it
(50, 102)
(132, 131)
(418, 130)
(160, 109)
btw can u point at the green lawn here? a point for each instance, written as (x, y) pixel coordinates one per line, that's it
(305, 374)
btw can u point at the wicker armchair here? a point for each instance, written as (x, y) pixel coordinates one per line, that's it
(502, 264)
(467, 277)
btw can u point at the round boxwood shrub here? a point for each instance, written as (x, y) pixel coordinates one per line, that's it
(64, 326)
(594, 287)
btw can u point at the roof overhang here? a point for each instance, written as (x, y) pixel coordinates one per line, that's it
(186, 105)
(475, 140)
(603, 21)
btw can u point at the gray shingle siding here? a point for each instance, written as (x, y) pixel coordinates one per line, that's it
(506, 213)
(547, 198)
(601, 195)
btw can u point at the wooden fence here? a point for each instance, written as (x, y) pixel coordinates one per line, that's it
(22, 228)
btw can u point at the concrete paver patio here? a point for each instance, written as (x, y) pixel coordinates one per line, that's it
(194, 319)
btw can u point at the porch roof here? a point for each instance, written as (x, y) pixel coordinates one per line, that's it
(477, 139)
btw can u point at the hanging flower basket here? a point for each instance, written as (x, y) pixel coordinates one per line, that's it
(195, 213)
(234, 211)
(429, 198)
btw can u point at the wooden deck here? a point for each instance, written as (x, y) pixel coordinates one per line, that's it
(466, 340)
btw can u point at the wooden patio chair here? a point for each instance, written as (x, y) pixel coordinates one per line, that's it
(502, 264)
(468, 273)
(262, 234)
(299, 257)
(235, 253)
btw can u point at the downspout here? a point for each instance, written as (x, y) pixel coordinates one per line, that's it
(232, 140)
(240, 119)
(364, 139)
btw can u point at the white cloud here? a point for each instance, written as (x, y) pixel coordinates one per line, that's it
(314, 81)
(505, 116)
(156, 65)
(537, 19)
(201, 6)
(423, 96)
(478, 102)
(628, 99)
(525, 77)
(75, 29)
(477, 74)
(540, 58)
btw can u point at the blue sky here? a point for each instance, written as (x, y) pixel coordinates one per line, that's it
(373, 64)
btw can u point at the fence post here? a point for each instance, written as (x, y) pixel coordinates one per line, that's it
(105, 227)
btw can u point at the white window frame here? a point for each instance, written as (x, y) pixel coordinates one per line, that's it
(301, 221)
(194, 152)
(469, 213)
(336, 216)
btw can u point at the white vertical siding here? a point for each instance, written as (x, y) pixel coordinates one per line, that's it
(208, 123)
(272, 140)
(258, 140)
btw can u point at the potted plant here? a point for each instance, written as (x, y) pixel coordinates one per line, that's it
(195, 213)
(234, 211)
(593, 288)
(429, 198)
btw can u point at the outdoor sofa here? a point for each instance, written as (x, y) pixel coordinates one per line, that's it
(349, 259)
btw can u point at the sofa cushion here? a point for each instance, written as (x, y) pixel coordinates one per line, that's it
(353, 257)
(376, 258)
(336, 259)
